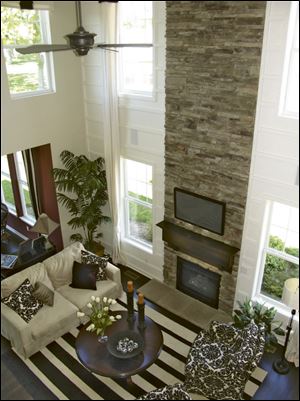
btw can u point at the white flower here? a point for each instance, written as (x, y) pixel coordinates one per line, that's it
(109, 300)
(89, 305)
(97, 299)
(113, 301)
(118, 317)
(90, 327)
(112, 318)
(105, 300)
(99, 315)
(80, 314)
(106, 308)
(93, 298)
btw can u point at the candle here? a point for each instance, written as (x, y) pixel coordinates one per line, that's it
(140, 299)
(129, 286)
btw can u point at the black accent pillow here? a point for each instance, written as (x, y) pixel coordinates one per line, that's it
(23, 302)
(84, 276)
(100, 261)
(43, 293)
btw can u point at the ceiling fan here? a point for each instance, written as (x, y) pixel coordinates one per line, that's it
(81, 41)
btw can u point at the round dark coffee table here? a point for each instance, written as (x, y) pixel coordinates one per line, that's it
(96, 357)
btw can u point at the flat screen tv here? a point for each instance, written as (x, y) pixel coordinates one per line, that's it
(199, 210)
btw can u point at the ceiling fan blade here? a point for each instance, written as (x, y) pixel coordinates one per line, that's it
(42, 48)
(103, 45)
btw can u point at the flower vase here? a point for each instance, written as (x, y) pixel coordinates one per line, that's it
(102, 338)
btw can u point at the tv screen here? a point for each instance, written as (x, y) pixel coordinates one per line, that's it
(199, 210)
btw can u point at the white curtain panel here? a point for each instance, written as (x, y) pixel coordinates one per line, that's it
(111, 126)
(292, 353)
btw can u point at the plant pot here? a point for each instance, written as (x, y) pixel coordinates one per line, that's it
(97, 248)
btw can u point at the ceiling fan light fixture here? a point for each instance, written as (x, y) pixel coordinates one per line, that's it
(81, 41)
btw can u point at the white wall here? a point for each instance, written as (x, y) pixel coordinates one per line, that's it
(275, 155)
(56, 118)
(141, 131)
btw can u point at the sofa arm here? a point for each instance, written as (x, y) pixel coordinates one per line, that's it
(113, 273)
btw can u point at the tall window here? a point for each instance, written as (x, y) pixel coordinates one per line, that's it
(32, 73)
(281, 250)
(290, 83)
(15, 191)
(135, 64)
(138, 202)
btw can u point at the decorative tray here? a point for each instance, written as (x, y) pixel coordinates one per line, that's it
(125, 344)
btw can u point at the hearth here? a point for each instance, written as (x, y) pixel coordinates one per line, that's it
(200, 283)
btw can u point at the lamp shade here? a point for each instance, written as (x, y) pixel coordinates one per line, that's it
(290, 294)
(44, 225)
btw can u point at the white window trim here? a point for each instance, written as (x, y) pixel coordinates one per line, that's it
(46, 39)
(264, 249)
(10, 206)
(134, 94)
(289, 51)
(125, 212)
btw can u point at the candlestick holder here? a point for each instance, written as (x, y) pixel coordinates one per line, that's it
(282, 366)
(130, 311)
(141, 316)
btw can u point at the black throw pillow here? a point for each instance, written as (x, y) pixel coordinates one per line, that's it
(84, 276)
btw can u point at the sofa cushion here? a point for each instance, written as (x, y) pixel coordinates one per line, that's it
(60, 266)
(23, 302)
(60, 317)
(81, 298)
(43, 293)
(34, 273)
(100, 261)
(84, 276)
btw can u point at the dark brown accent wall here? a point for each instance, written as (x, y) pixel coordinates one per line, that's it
(212, 69)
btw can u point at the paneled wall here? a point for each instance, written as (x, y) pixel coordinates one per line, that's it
(141, 123)
(274, 174)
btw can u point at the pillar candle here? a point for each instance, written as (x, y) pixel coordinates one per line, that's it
(140, 298)
(129, 286)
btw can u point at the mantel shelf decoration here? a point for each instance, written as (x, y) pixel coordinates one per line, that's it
(196, 245)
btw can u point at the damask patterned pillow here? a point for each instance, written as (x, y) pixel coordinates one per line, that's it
(101, 261)
(23, 302)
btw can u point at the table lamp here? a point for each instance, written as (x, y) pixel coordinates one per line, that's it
(44, 226)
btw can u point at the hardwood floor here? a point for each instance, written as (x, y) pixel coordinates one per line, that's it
(17, 382)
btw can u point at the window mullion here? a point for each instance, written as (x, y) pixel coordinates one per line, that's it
(282, 255)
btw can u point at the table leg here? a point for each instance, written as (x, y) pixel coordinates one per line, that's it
(129, 380)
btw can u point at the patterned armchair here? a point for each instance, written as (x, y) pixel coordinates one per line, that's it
(219, 364)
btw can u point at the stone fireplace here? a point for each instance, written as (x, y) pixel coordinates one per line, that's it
(212, 70)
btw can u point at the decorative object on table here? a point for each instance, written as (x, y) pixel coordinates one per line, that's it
(141, 311)
(259, 314)
(89, 196)
(44, 226)
(125, 344)
(130, 292)
(8, 261)
(282, 366)
(100, 317)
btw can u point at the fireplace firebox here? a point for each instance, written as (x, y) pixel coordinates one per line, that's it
(198, 282)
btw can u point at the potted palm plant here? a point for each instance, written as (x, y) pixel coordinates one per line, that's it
(84, 181)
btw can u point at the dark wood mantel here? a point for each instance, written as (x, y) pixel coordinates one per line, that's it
(208, 250)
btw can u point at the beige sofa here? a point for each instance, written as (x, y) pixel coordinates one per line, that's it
(52, 322)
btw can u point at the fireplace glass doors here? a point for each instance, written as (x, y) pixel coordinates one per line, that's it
(198, 282)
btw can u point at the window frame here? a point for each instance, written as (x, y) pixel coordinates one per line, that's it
(264, 250)
(20, 210)
(290, 52)
(126, 198)
(48, 70)
(136, 94)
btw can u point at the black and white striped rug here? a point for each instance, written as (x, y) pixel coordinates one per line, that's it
(59, 369)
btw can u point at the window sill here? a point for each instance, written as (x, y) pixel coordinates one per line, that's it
(138, 245)
(280, 307)
(26, 95)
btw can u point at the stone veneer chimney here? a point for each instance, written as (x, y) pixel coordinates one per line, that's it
(212, 70)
